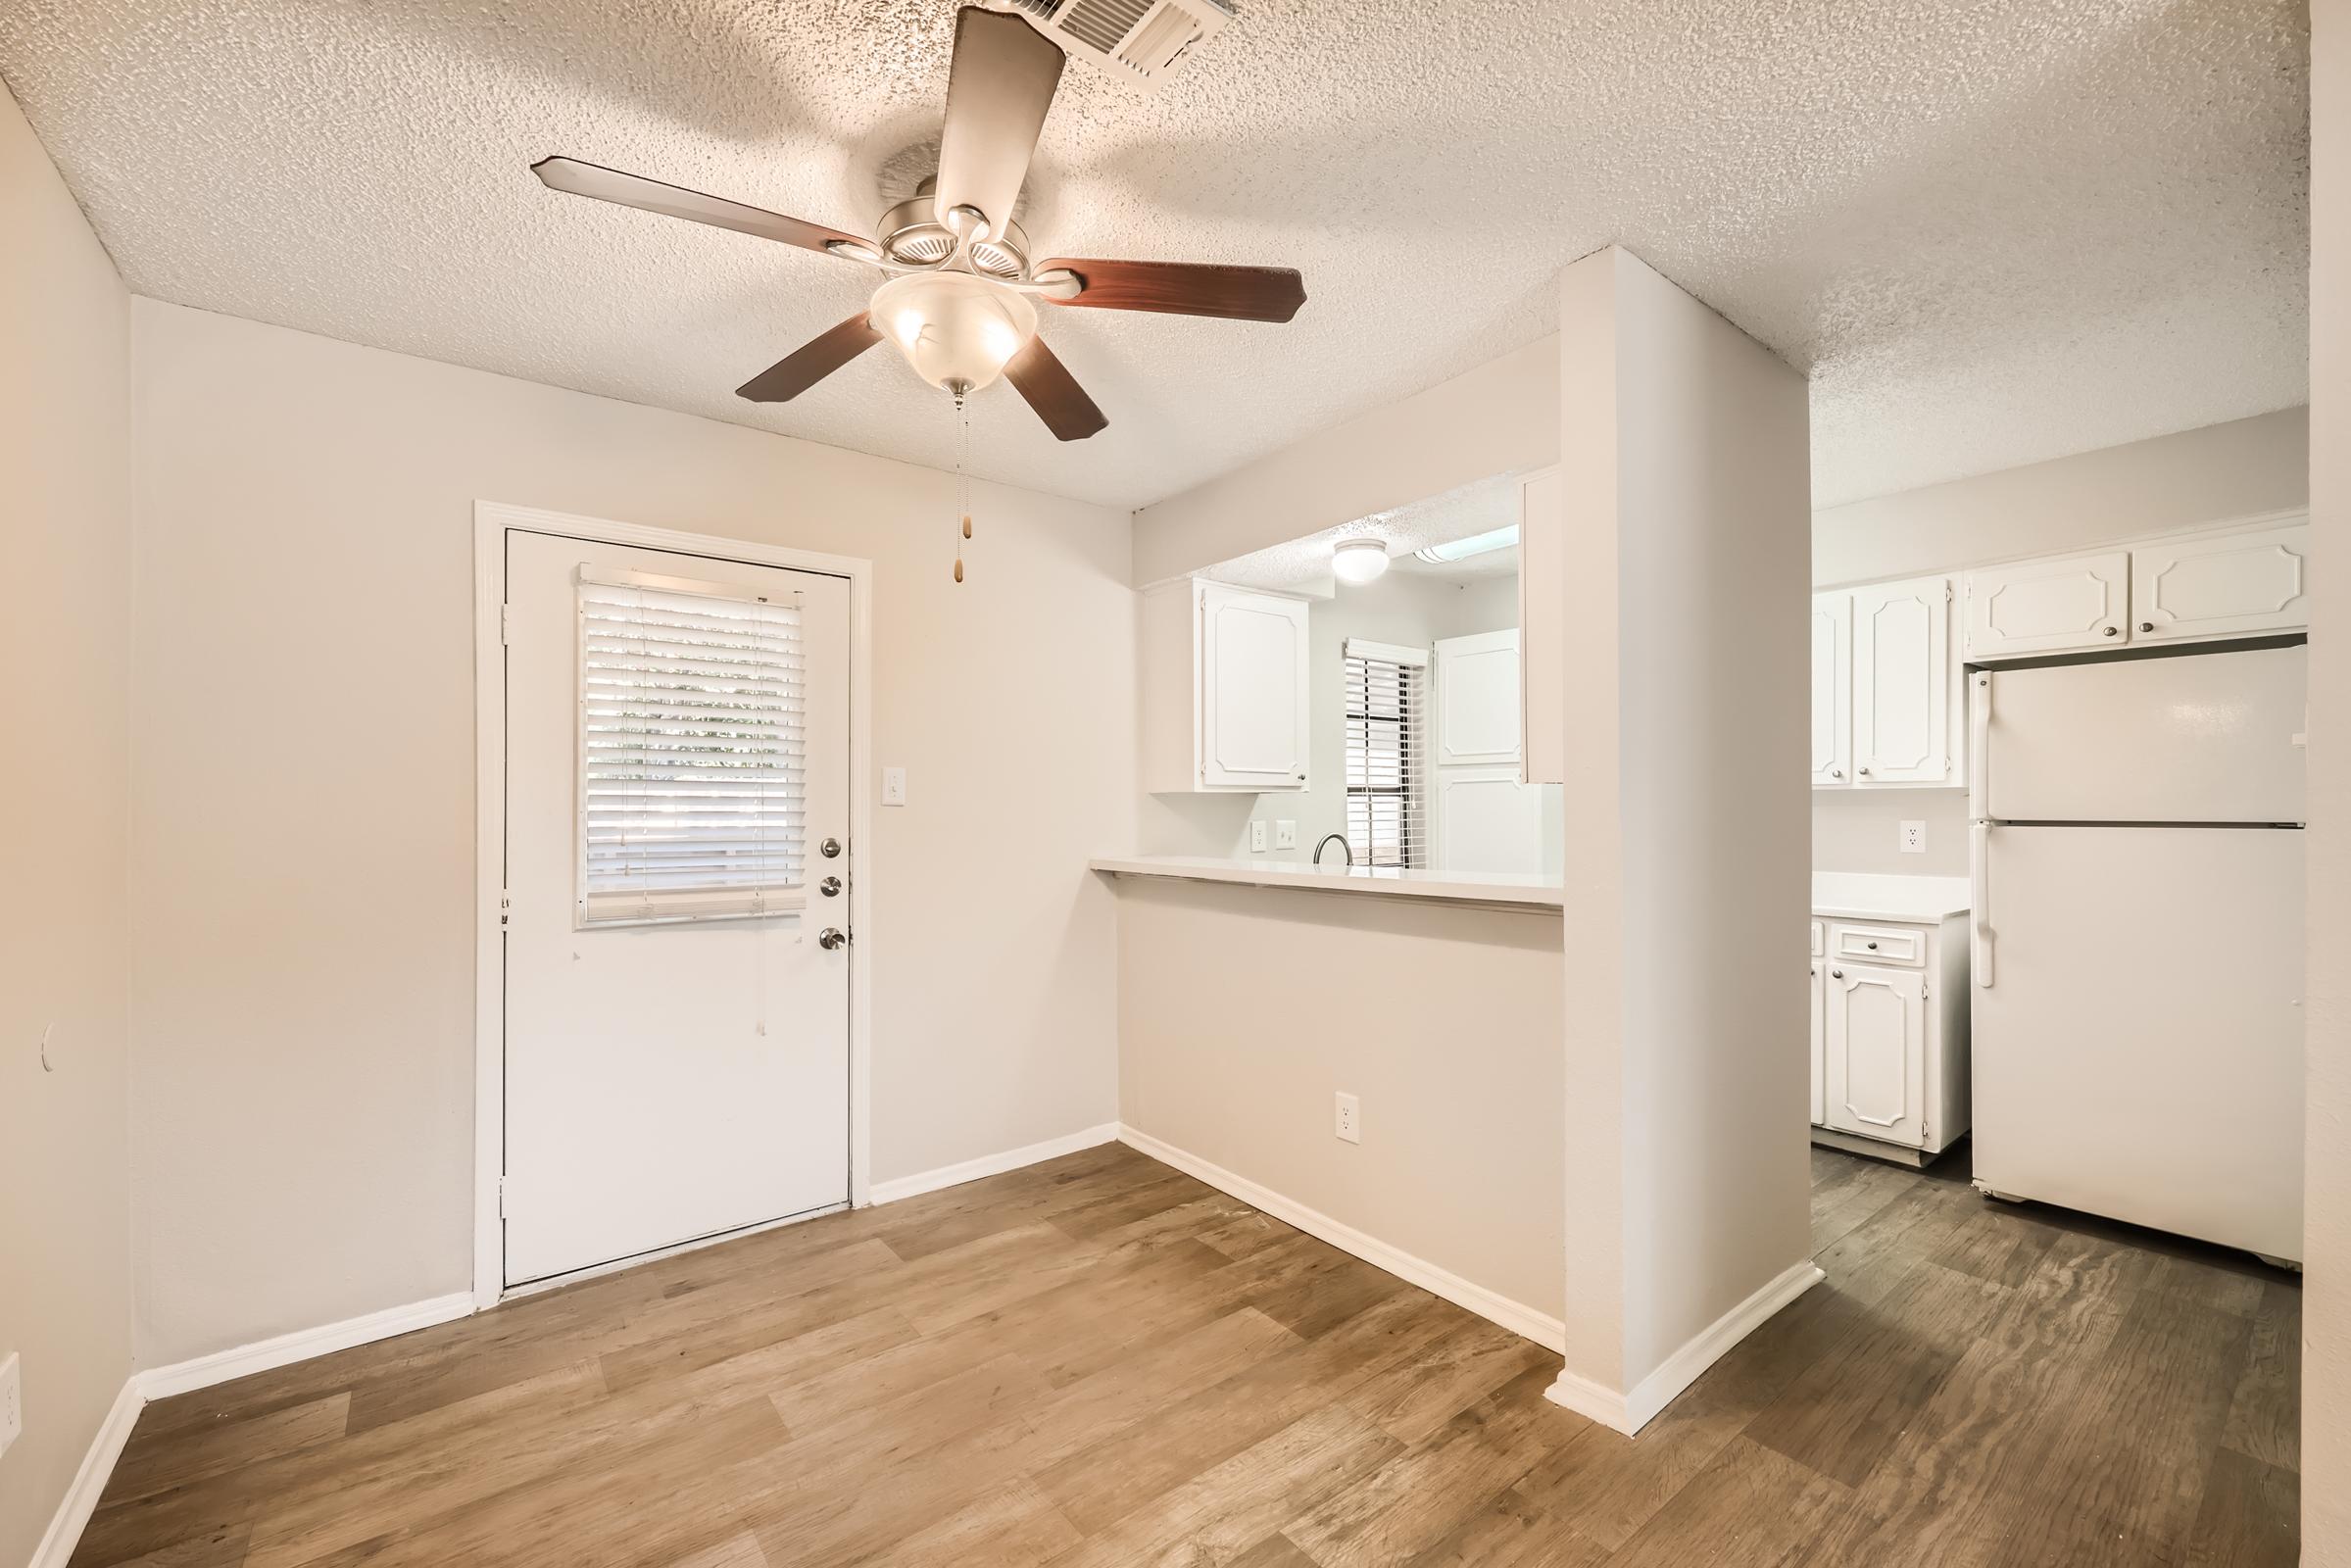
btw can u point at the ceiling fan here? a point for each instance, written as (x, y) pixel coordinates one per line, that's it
(959, 301)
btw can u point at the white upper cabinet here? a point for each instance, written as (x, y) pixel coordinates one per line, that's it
(1478, 708)
(1225, 690)
(1542, 601)
(2226, 586)
(1832, 687)
(1901, 682)
(2041, 606)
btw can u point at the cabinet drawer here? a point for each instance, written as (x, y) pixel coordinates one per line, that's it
(1902, 946)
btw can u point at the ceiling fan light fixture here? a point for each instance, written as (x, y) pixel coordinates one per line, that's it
(1360, 559)
(957, 330)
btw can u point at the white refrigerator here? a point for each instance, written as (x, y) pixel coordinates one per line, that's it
(2138, 940)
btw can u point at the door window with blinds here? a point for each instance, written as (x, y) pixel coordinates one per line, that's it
(1387, 782)
(693, 772)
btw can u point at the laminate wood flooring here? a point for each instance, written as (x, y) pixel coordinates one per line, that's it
(1099, 1362)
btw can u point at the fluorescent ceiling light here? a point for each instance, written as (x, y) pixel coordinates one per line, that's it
(1358, 559)
(1476, 544)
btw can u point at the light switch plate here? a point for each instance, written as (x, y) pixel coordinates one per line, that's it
(12, 1402)
(1914, 838)
(1284, 834)
(1348, 1119)
(1257, 836)
(894, 786)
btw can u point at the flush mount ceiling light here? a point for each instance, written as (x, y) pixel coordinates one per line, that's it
(1360, 559)
(1476, 544)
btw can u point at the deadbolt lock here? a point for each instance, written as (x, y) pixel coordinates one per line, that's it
(829, 849)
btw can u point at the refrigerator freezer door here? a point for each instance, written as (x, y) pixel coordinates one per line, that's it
(2139, 1053)
(2199, 738)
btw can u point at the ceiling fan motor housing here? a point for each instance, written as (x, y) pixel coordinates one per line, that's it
(912, 235)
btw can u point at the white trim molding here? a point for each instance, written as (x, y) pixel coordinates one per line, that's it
(971, 1170)
(491, 522)
(1496, 1308)
(80, 1500)
(1630, 1412)
(285, 1350)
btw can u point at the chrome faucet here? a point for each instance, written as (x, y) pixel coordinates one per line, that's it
(1344, 847)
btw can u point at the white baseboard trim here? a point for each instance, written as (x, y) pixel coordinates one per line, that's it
(1496, 1308)
(80, 1500)
(243, 1360)
(1630, 1412)
(971, 1170)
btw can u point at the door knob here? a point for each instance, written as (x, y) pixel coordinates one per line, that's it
(832, 937)
(830, 887)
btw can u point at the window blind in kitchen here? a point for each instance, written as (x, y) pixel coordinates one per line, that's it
(693, 775)
(1386, 702)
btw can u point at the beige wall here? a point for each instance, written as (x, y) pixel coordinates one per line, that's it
(2327, 1222)
(304, 994)
(1501, 418)
(2167, 485)
(1686, 515)
(65, 517)
(1242, 1011)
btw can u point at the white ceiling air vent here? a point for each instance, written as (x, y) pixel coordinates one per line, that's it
(1141, 41)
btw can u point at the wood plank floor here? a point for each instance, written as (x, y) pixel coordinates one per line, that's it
(1100, 1361)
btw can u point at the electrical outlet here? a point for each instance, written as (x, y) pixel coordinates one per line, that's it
(1914, 838)
(12, 1402)
(894, 786)
(1349, 1119)
(1284, 834)
(1256, 837)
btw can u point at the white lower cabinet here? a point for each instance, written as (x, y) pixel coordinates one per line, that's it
(1889, 1035)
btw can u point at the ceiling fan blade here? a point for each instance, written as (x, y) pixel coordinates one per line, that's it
(571, 176)
(811, 361)
(1037, 374)
(997, 91)
(1185, 288)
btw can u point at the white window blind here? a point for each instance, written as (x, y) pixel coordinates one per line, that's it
(1386, 703)
(693, 752)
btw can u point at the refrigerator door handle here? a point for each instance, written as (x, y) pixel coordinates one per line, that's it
(1978, 743)
(1979, 891)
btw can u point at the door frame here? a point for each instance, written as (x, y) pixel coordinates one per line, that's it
(492, 520)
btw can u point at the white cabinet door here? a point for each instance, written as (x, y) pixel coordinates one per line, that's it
(1487, 820)
(1877, 1057)
(1541, 600)
(1902, 682)
(1832, 689)
(1819, 1048)
(1254, 690)
(2038, 606)
(2226, 586)
(1477, 701)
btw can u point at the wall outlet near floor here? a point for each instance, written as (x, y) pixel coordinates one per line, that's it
(1914, 838)
(12, 1402)
(1349, 1120)
(894, 786)
(1284, 834)
(1256, 837)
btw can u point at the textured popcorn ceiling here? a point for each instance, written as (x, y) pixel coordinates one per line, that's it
(1992, 230)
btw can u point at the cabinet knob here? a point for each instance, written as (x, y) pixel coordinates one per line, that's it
(1837, 974)
(1873, 947)
(2146, 625)
(1836, 773)
(2112, 632)
(1865, 772)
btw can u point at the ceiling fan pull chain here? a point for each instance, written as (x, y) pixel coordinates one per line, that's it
(962, 477)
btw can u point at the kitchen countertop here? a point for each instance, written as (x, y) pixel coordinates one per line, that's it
(1534, 893)
(1857, 896)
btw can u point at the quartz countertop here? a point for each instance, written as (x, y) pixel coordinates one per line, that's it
(1536, 894)
(1857, 896)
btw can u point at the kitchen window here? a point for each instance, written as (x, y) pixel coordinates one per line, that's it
(1386, 698)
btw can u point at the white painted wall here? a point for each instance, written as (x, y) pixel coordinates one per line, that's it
(1501, 418)
(2327, 1222)
(304, 994)
(64, 520)
(1687, 513)
(2171, 484)
(1401, 607)
(1242, 1011)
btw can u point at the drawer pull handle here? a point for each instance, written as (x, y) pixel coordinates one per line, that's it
(1873, 947)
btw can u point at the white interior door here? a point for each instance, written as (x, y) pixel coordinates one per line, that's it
(676, 1036)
